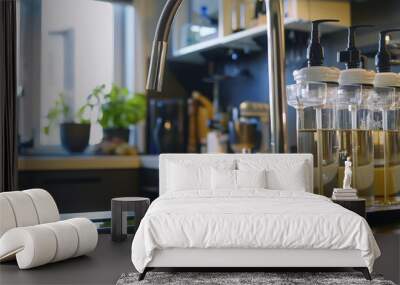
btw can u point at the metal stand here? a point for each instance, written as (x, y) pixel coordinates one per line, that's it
(364, 271)
(143, 274)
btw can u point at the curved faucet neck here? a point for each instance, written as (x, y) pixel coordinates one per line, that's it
(276, 65)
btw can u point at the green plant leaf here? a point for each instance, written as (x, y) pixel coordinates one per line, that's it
(121, 109)
(59, 111)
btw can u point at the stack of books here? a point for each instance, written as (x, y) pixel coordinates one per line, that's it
(344, 194)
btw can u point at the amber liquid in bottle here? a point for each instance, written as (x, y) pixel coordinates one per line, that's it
(360, 141)
(325, 160)
(387, 166)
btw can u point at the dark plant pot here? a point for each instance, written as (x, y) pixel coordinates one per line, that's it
(116, 133)
(75, 137)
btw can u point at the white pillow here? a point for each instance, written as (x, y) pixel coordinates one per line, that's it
(223, 179)
(293, 179)
(183, 177)
(282, 174)
(226, 179)
(251, 178)
(191, 174)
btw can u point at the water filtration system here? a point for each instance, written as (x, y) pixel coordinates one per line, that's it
(351, 113)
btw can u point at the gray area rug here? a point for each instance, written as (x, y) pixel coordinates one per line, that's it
(243, 278)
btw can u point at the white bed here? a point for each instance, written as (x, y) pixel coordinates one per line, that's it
(248, 227)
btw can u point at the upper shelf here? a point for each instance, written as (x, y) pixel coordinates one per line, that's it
(298, 17)
(242, 40)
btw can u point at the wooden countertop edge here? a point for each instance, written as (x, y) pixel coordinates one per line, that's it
(78, 163)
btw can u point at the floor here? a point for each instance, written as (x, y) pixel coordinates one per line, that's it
(104, 266)
(388, 264)
(110, 260)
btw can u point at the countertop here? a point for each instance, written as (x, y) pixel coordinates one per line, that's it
(77, 162)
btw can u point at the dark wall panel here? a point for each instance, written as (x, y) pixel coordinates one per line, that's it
(83, 190)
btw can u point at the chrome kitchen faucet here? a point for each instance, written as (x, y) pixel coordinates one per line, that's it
(276, 65)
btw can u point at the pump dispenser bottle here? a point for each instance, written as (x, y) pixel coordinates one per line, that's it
(385, 107)
(313, 97)
(353, 118)
(315, 71)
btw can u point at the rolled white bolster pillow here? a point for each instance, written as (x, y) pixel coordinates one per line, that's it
(23, 208)
(67, 240)
(87, 235)
(33, 246)
(7, 218)
(45, 205)
(41, 244)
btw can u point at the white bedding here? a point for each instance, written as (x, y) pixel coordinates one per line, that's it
(253, 218)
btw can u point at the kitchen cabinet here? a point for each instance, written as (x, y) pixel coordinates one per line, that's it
(83, 190)
(81, 183)
(204, 25)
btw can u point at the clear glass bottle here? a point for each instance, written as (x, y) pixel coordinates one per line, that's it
(315, 108)
(313, 97)
(354, 118)
(385, 105)
(354, 129)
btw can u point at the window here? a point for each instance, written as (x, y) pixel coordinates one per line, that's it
(70, 47)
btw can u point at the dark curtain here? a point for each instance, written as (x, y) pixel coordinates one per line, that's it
(8, 82)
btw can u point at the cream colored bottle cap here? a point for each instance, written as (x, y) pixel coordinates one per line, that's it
(387, 79)
(357, 76)
(317, 74)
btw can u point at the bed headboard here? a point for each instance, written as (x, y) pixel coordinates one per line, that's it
(204, 158)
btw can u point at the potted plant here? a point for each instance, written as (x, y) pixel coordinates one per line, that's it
(74, 130)
(120, 110)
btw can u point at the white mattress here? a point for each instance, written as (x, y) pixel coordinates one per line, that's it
(252, 219)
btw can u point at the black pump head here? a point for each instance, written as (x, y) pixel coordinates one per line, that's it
(382, 58)
(315, 52)
(363, 62)
(352, 56)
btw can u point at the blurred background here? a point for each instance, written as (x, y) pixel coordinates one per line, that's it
(88, 131)
(86, 122)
